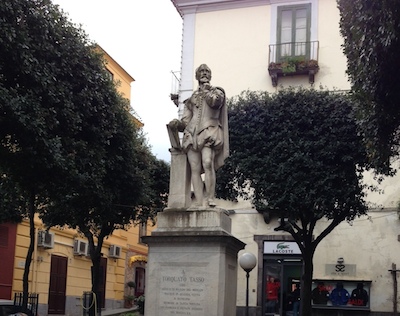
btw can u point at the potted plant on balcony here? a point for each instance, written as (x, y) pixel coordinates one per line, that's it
(297, 65)
(130, 297)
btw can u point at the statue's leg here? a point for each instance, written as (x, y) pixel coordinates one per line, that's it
(194, 158)
(209, 177)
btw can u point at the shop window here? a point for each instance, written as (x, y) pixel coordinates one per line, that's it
(341, 294)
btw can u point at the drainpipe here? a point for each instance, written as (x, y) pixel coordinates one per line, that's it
(35, 264)
(394, 271)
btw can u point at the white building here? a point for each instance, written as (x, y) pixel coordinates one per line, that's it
(242, 42)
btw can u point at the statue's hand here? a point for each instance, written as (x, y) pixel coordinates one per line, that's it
(215, 98)
(176, 124)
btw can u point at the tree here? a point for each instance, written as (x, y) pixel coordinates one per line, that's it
(296, 154)
(371, 32)
(66, 137)
(129, 192)
(39, 89)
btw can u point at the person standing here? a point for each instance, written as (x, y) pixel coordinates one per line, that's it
(295, 297)
(272, 294)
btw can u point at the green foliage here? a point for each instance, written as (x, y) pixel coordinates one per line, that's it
(289, 64)
(296, 153)
(13, 205)
(371, 32)
(68, 146)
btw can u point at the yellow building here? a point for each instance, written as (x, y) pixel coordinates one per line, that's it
(60, 271)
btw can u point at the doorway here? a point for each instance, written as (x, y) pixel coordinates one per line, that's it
(8, 235)
(140, 275)
(281, 281)
(58, 284)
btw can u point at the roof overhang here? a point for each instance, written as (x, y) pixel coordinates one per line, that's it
(196, 6)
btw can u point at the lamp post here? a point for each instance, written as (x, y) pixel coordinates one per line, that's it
(247, 261)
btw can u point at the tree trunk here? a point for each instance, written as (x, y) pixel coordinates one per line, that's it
(96, 256)
(25, 278)
(95, 287)
(307, 281)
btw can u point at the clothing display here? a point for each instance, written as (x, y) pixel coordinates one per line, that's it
(320, 294)
(339, 295)
(359, 296)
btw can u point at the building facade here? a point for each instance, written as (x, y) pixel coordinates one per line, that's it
(61, 268)
(268, 45)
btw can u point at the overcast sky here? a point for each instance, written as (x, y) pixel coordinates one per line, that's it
(144, 37)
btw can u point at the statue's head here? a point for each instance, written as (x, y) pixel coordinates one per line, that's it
(203, 73)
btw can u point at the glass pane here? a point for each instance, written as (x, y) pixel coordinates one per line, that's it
(286, 36)
(301, 35)
(301, 25)
(272, 288)
(301, 14)
(286, 26)
(300, 49)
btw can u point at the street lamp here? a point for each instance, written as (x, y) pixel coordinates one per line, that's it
(247, 261)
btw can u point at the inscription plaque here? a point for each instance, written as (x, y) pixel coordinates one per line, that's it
(182, 289)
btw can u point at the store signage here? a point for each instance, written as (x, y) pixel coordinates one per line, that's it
(281, 248)
(340, 269)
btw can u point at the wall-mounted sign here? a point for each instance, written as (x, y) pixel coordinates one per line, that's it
(281, 248)
(340, 269)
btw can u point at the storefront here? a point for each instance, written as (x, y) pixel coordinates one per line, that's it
(282, 270)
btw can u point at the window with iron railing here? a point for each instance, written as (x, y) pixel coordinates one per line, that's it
(293, 53)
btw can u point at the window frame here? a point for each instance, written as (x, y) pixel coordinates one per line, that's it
(291, 44)
(275, 4)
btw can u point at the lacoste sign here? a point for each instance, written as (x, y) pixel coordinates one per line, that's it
(281, 248)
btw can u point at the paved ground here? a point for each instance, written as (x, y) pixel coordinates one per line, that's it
(118, 311)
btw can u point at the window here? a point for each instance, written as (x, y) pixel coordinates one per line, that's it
(293, 31)
(293, 49)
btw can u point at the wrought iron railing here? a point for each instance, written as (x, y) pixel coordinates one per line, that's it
(33, 301)
(175, 81)
(297, 58)
(301, 50)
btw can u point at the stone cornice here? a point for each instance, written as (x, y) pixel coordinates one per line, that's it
(196, 6)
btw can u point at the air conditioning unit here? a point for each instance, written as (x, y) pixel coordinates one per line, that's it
(87, 254)
(45, 239)
(115, 251)
(80, 247)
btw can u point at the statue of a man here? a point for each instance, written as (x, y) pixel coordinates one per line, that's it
(205, 139)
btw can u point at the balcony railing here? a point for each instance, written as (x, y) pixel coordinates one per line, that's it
(175, 81)
(290, 59)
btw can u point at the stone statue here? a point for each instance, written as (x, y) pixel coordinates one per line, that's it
(205, 136)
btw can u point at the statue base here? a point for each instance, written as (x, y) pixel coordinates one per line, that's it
(192, 264)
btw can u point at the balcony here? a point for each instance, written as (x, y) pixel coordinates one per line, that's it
(293, 59)
(175, 81)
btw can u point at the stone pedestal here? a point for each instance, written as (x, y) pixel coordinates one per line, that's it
(192, 264)
(179, 182)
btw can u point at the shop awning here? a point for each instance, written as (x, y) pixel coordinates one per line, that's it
(136, 258)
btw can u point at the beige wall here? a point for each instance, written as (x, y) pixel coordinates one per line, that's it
(369, 242)
(235, 45)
